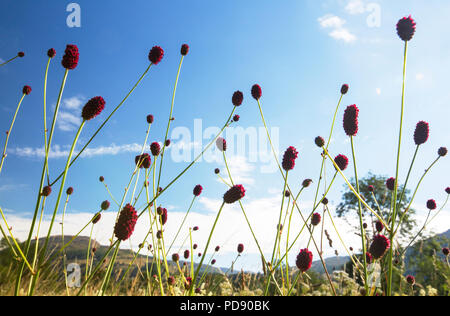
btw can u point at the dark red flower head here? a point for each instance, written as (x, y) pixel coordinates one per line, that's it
(315, 219)
(379, 226)
(217, 249)
(406, 28)
(421, 133)
(390, 184)
(445, 251)
(306, 183)
(167, 143)
(93, 108)
(221, 144)
(217, 171)
(431, 205)
(184, 49)
(351, 120)
(237, 98)
(186, 254)
(164, 216)
(304, 260)
(150, 119)
(234, 194)
(46, 191)
(171, 280)
(51, 53)
(380, 245)
(143, 161)
(21, 54)
(175, 257)
(69, 191)
(159, 234)
(105, 205)
(447, 190)
(369, 258)
(195, 246)
(71, 57)
(371, 188)
(411, 280)
(26, 90)
(256, 92)
(341, 161)
(155, 148)
(287, 193)
(196, 228)
(236, 118)
(344, 89)
(324, 201)
(240, 248)
(126, 222)
(290, 155)
(320, 142)
(213, 261)
(442, 151)
(198, 190)
(188, 283)
(96, 218)
(101, 179)
(156, 55)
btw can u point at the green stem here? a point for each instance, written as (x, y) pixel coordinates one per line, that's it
(8, 61)
(182, 223)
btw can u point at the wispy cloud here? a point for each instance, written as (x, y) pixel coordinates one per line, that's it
(69, 117)
(338, 31)
(241, 170)
(355, 7)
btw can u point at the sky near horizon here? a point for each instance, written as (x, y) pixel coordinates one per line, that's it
(300, 52)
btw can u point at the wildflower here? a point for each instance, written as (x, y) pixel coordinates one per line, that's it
(51, 53)
(199, 254)
(256, 92)
(351, 120)
(406, 28)
(150, 119)
(198, 291)
(365, 226)
(370, 188)
(442, 151)
(213, 262)
(379, 246)
(93, 108)
(369, 258)
(240, 248)
(26, 90)
(445, 251)
(188, 283)
(221, 144)
(421, 133)
(304, 260)
(71, 57)
(101, 179)
(171, 280)
(195, 228)
(431, 205)
(159, 234)
(320, 142)
(237, 98)
(390, 184)
(175, 257)
(379, 226)
(155, 148)
(324, 201)
(69, 191)
(46, 191)
(411, 280)
(105, 205)
(184, 49)
(236, 118)
(94, 250)
(306, 183)
(143, 161)
(289, 158)
(21, 54)
(217, 171)
(287, 193)
(156, 55)
(447, 190)
(186, 254)
(164, 216)
(124, 227)
(234, 194)
(341, 161)
(96, 218)
(198, 190)
(195, 246)
(344, 89)
(167, 143)
(217, 249)
(315, 219)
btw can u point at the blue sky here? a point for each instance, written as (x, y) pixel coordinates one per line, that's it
(300, 52)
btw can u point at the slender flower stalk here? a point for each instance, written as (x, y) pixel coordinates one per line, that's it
(10, 60)
(182, 223)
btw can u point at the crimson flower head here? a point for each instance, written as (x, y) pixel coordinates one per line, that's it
(101, 179)
(217, 171)
(51, 53)
(445, 251)
(406, 28)
(315, 219)
(26, 90)
(234, 194)
(195, 246)
(46, 191)
(105, 205)
(304, 260)
(421, 133)
(184, 49)
(287, 193)
(155, 148)
(240, 248)
(196, 228)
(213, 262)
(390, 184)
(150, 119)
(93, 108)
(325, 201)
(344, 89)
(341, 161)
(371, 188)
(186, 254)
(237, 98)
(307, 182)
(96, 218)
(21, 54)
(71, 57)
(320, 142)
(256, 92)
(126, 223)
(167, 143)
(188, 283)
(221, 144)
(156, 55)
(217, 249)
(143, 161)
(171, 280)
(290, 155)
(369, 258)
(380, 245)
(236, 118)
(431, 204)
(175, 257)
(442, 151)
(164, 216)
(198, 190)
(69, 191)
(447, 190)
(351, 120)
(411, 280)
(379, 226)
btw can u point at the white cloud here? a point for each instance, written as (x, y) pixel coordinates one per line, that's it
(331, 21)
(338, 32)
(355, 7)
(241, 170)
(343, 34)
(68, 122)
(73, 103)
